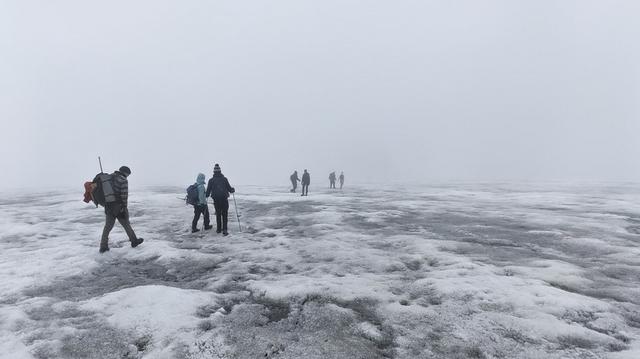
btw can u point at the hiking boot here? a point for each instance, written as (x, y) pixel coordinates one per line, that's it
(195, 230)
(218, 230)
(206, 228)
(225, 233)
(137, 242)
(104, 249)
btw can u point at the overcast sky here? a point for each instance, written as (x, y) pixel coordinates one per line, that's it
(425, 91)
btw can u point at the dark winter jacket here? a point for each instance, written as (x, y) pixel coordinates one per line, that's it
(120, 187)
(306, 178)
(294, 177)
(218, 187)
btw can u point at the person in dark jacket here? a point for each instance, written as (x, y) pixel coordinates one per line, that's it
(219, 188)
(201, 207)
(119, 210)
(332, 180)
(294, 181)
(341, 179)
(306, 181)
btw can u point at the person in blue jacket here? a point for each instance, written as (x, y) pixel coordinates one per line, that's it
(201, 207)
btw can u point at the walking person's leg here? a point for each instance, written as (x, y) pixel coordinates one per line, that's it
(196, 217)
(124, 222)
(218, 207)
(110, 220)
(225, 217)
(207, 218)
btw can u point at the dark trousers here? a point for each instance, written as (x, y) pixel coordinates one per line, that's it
(122, 215)
(295, 185)
(341, 184)
(305, 189)
(222, 213)
(197, 211)
(332, 184)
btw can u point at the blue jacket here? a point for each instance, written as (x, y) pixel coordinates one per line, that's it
(202, 199)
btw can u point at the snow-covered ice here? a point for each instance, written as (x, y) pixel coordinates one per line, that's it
(464, 271)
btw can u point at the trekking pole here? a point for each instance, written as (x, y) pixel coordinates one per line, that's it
(235, 204)
(100, 162)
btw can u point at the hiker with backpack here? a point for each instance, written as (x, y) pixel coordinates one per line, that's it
(219, 188)
(196, 196)
(112, 191)
(294, 181)
(306, 181)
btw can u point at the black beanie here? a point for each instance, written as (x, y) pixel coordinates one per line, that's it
(216, 168)
(125, 170)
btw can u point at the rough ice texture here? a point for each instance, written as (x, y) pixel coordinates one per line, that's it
(473, 271)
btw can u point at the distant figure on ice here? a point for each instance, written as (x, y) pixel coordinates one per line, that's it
(306, 181)
(219, 189)
(294, 181)
(196, 195)
(118, 209)
(341, 179)
(332, 180)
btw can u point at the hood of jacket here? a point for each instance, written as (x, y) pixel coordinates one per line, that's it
(200, 179)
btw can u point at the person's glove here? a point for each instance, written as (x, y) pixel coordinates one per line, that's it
(233, 190)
